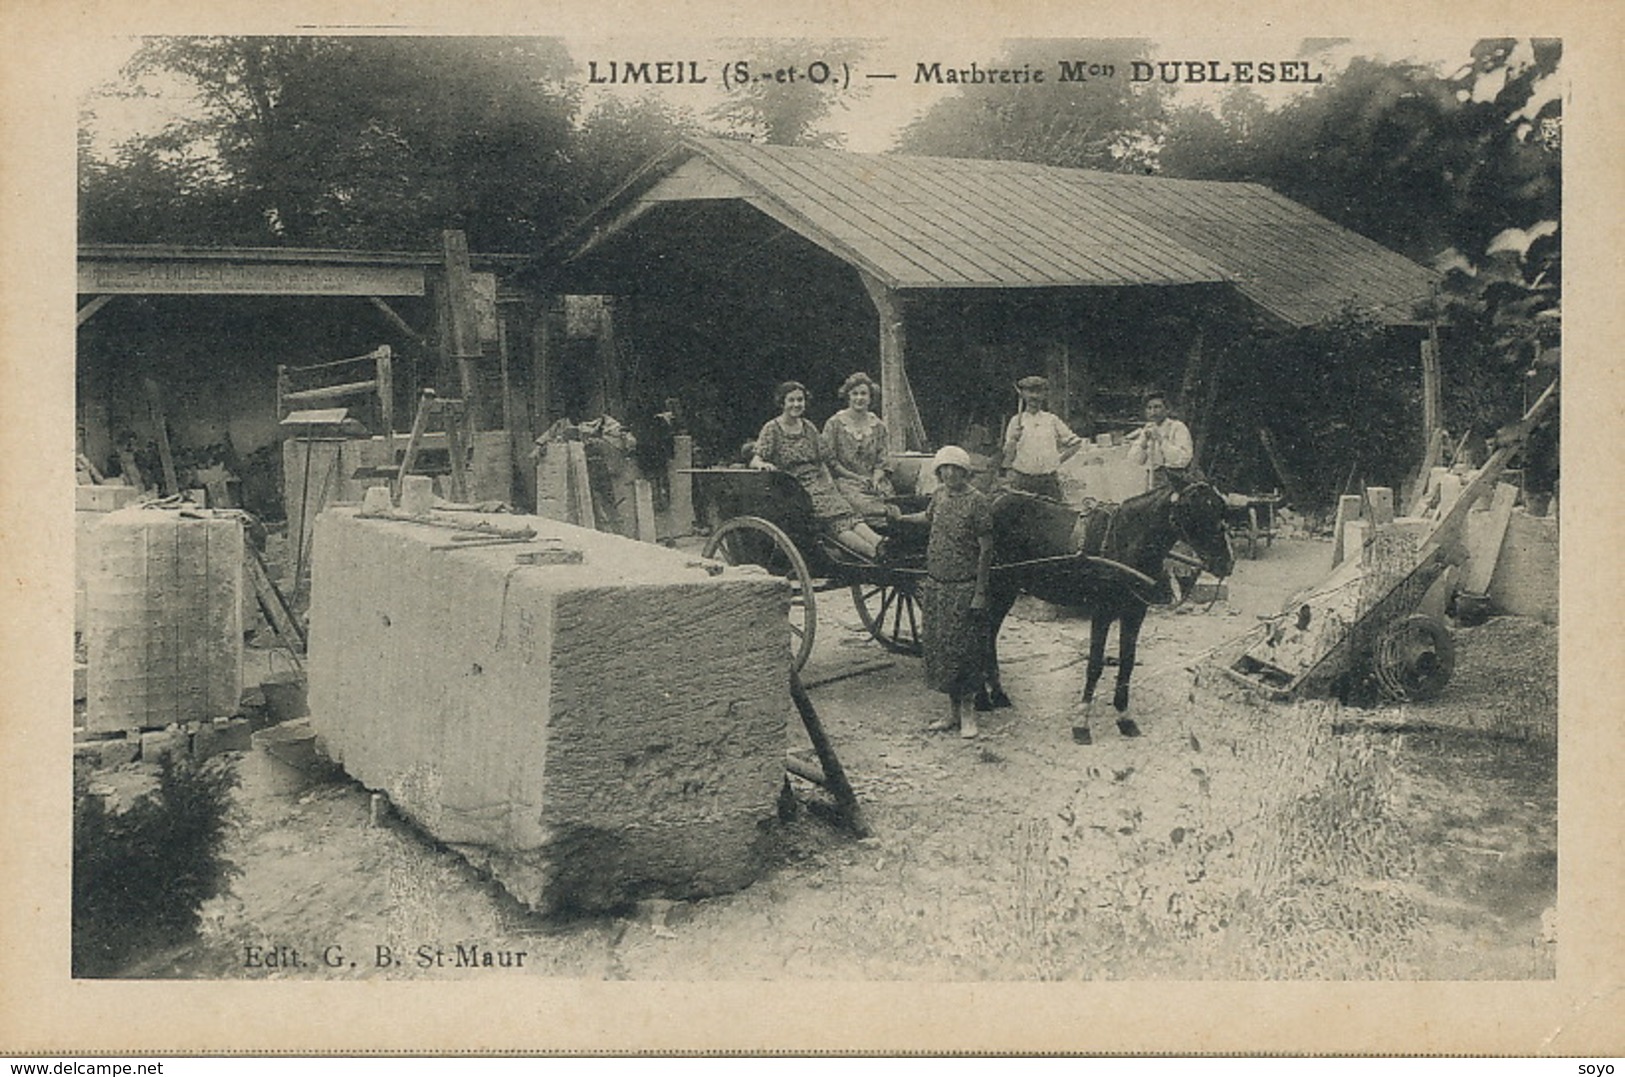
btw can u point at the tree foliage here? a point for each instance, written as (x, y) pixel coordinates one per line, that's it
(790, 111)
(1101, 122)
(358, 141)
(618, 137)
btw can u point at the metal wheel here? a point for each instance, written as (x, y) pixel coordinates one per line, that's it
(1415, 657)
(751, 540)
(891, 613)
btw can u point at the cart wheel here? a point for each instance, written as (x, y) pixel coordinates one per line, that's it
(891, 613)
(751, 540)
(1414, 658)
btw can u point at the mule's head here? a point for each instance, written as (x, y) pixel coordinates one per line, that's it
(1198, 511)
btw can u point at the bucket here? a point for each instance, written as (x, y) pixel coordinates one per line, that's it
(1472, 609)
(284, 696)
(285, 759)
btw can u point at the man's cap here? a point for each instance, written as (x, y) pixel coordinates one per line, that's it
(1033, 381)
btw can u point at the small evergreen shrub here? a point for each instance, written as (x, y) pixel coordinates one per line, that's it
(140, 876)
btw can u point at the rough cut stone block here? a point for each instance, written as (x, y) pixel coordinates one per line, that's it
(593, 732)
(1525, 582)
(156, 743)
(223, 735)
(163, 631)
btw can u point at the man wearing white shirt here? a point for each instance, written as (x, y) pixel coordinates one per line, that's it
(1037, 442)
(1162, 442)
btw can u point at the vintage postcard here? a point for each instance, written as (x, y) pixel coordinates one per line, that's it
(1017, 530)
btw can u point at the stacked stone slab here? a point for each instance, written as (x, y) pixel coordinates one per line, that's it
(592, 733)
(163, 619)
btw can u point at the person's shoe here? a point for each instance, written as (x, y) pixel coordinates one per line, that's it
(1081, 735)
(1127, 727)
(941, 725)
(883, 550)
(967, 728)
(983, 702)
(999, 699)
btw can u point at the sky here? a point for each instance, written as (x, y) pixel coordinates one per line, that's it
(869, 121)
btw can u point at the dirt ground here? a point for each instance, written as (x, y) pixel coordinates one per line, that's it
(1236, 839)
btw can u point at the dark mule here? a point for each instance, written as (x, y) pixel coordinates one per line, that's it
(1035, 538)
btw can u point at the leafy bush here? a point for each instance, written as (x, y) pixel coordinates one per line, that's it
(1342, 400)
(140, 876)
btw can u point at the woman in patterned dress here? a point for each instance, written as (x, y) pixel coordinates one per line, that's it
(789, 442)
(855, 444)
(953, 594)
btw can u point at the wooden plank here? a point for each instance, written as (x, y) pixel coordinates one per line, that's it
(155, 408)
(1419, 484)
(330, 392)
(582, 513)
(1484, 547)
(90, 309)
(399, 323)
(195, 276)
(1447, 534)
(271, 602)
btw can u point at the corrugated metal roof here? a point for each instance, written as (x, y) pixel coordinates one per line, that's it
(939, 222)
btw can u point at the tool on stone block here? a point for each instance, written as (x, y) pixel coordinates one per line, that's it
(481, 529)
(470, 542)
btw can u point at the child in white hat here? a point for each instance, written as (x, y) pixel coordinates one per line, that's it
(953, 595)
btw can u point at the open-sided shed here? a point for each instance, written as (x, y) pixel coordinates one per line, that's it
(734, 265)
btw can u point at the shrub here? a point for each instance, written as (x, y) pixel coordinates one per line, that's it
(140, 876)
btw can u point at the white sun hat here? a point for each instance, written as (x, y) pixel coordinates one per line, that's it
(950, 454)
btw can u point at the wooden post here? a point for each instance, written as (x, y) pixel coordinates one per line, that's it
(1190, 387)
(608, 396)
(544, 344)
(1430, 385)
(461, 329)
(896, 398)
(1058, 369)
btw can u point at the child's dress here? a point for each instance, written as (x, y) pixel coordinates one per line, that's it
(955, 639)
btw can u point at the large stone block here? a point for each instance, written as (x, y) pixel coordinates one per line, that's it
(163, 624)
(1525, 582)
(593, 732)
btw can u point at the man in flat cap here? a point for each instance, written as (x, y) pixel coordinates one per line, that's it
(1037, 442)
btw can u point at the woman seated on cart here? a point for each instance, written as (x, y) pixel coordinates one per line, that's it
(790, 443)
(856, 444)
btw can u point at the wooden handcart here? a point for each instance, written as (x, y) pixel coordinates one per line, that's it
(1375, 622)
